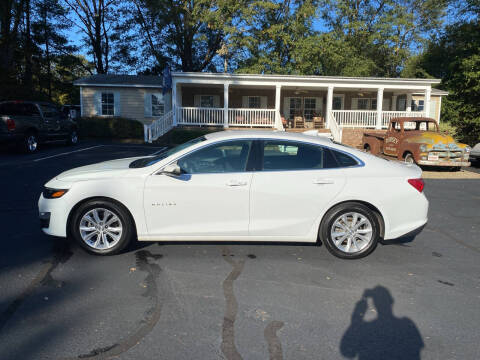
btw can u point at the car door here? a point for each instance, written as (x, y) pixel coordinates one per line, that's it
(392, 140)
(297, 182)
(51, 121)
(210, 198)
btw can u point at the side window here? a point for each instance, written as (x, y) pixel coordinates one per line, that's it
(48, 111)
(288, 155)
(228, 156)
(108, 103)
(31, 110)
(344, 160)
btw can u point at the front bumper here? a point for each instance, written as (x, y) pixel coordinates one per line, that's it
(53, 214)
(443, 163)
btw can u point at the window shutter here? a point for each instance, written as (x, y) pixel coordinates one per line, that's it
(216, 101)
(386, 105)
(263, 102)
(116, 103)
(97, 103)
(245, 102)
(196, 100)
(433, 109)
(354, 104)
(148, 104)
(286, 107)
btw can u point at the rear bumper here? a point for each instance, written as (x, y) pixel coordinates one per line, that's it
(443, 163)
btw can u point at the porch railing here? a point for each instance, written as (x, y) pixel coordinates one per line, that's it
(368, 118)
(200, 116)
(251, 117)
(355, 118)
(335, 129)
(158, 127)
(388, 115)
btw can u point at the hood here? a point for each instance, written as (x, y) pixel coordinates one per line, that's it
(435, 141)
(112, 168)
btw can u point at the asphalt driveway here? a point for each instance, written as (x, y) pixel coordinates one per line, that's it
(411, 299)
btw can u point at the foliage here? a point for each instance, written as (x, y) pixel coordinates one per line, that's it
(110, 127)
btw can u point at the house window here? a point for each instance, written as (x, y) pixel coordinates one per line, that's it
(363, 104)
(295, 107)
(158, 107)
(206, 101)
(108, 105)
(418, 107)
(254, 102)
(402, 105)
(373, 104)
(337, 103)
(310, 104)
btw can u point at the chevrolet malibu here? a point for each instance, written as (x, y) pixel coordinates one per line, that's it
(239, 186)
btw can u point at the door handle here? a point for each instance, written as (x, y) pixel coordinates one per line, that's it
(323, 181)
(236, 183)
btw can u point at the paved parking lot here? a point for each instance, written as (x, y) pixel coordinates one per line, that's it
(233, 301)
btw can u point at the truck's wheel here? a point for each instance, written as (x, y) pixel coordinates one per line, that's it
(408, 158)
(30, 142)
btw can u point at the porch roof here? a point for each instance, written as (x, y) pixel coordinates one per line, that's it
(302, 80)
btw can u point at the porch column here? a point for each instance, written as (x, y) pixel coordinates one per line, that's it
(426, 105)
(329, 106)
(278, 120)
(225, 105)
(379, 108)
(394, 102)
(409, 102)
(174, 102)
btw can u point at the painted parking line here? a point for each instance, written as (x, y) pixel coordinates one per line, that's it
(67, 153)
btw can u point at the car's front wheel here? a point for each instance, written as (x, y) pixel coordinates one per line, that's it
(102, 227)
(350, 230)
(72, 138)
(30, 143)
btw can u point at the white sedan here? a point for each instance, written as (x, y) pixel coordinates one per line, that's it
(239, 186)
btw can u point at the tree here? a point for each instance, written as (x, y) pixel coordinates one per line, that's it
(275, 37)
(185, 33)
(96, 20)
(385, 31)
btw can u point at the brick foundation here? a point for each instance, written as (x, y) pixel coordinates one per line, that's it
(353, 136)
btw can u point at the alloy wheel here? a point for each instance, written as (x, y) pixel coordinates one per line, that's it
(351, 232)
(100, 228)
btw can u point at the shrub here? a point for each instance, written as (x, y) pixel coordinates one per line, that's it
(110, 127)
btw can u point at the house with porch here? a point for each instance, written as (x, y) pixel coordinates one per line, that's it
(331, 105)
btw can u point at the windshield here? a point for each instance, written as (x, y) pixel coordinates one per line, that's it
(147, 161)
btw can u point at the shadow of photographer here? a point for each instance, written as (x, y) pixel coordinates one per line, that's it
(386, 337)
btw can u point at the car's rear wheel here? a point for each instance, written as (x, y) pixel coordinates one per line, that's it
(102, 227)
(350, 230)
(30, 143)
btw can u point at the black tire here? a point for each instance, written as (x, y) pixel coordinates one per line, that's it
(72, 138)
(125, 219)
(30, 142)
(337, 211)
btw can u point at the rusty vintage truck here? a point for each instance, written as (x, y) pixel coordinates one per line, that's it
(417, 140)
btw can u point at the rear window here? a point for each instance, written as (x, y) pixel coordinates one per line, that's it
(343, 159)
(18, 109)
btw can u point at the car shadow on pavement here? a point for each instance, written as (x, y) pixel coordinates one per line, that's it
(383, 337)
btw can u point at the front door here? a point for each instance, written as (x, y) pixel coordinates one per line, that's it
(210, 198)
(297, 182)
(392, 139)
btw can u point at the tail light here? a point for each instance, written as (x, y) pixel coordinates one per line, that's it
(10, 123)
(417, 184)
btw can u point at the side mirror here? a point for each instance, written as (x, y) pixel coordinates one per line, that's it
(172, 170)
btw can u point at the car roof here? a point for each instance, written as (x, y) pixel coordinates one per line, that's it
(267, 134)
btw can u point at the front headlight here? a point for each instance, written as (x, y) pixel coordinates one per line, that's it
(423, 148)
(468, 149)
(53, 193)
